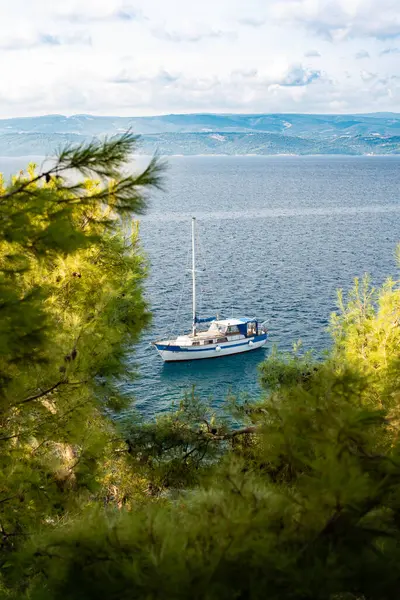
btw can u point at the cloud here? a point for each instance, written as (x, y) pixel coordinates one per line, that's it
(65, 40)
(192, 36)
(367, 76)
(298, 76)
(245, 73)
(44, 39)
(250, 81)
(389, 51)
(120, 13)
(124, 78)
(312, 54)
(294, 89)
(362, 54)
(49, 40)
(340, 19)
(252, 21)
(127, 13)
(148, 56)
(270, 88)
(163, 77)
(17, 43)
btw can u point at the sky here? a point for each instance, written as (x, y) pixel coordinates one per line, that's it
(146, 57)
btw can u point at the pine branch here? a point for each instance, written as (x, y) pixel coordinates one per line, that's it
(8, 499)
(9, 437)
(104, 158)
(189, 453)
(43, 393)
(236, 432)
(251, 429)
(22, 187)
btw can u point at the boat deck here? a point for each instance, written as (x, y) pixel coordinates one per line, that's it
(206, 335)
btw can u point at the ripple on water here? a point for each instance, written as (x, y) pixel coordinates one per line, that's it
(279, 236)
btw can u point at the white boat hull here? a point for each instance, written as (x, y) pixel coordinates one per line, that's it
(174, 353)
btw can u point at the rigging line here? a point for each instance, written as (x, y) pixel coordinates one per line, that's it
(207, 296)
(202, 293)
(210, 281)
(200, 288)
(181, 294)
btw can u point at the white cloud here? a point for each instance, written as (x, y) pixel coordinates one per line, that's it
(250, 79)
(90, 13)
(252, 21)
(367, 76)
(362, 54)
(192, 34)
(150, 56)
(10, 43)
(341, 19)
(298, 76)
(390, 51)
(312, 54)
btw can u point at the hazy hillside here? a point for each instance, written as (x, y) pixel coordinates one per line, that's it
(212, 134)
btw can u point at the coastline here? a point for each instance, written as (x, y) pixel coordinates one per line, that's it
(32, 157)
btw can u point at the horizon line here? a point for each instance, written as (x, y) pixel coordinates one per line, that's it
(188, 114)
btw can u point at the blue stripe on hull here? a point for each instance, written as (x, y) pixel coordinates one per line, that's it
(170, 348)
(216, 355)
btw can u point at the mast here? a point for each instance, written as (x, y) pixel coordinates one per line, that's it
(194, 273)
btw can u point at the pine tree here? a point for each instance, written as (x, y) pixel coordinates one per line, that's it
(299, 501)
(71, 306)
(303, 503)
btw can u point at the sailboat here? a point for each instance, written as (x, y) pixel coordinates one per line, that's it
(223, 337)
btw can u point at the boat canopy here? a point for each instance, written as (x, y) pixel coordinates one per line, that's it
(239, 325)
(204, 320)
(239, 321)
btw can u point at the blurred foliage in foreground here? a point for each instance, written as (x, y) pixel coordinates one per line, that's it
(71, 305)
(300, 500)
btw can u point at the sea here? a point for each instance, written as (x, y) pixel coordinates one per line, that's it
(277, 237)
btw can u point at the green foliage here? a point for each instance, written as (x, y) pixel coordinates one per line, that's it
(71, 305)
(366, 333)
(302, 502)
(282, 370)
(179, 447)
(299, 501)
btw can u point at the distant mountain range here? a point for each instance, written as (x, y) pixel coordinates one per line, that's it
(192, 134)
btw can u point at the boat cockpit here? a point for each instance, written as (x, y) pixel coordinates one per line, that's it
(233, 329)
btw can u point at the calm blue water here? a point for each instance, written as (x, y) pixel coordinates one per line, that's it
(279, 235)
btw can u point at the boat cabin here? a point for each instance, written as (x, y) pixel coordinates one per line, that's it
(226, 330)
(235, 327)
